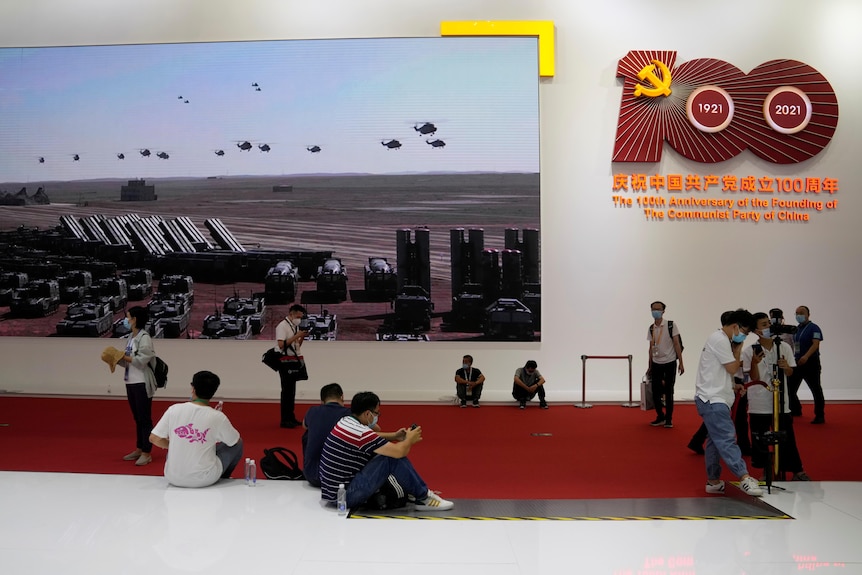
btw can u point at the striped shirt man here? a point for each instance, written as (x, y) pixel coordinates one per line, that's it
(348, 448)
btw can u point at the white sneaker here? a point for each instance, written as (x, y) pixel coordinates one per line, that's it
(751, 486)
(717, 488)
(433, 502)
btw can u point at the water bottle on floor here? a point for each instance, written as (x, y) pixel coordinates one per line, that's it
(341, 499)
(252, 473)
(247, 463)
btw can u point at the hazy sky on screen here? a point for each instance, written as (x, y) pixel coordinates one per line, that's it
(345, 96)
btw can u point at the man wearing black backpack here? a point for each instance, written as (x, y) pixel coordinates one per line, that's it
(665, 349)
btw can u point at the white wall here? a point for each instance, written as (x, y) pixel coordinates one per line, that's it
(601, 266)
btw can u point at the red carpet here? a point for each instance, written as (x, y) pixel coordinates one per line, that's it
(486, 453)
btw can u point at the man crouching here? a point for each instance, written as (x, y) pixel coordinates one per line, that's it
(363, 460)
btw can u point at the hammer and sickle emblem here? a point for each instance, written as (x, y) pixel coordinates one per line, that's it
(661, 86)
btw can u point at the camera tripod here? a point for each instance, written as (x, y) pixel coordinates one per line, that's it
(772, 440)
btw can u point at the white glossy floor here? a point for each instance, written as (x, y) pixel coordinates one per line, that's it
(92, 524)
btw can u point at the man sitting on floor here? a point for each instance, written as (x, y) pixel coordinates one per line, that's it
(202, 445)
(363, 460)
(318, 422)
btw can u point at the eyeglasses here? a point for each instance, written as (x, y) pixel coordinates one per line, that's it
(377, 413)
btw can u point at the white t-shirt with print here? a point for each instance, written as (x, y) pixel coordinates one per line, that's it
(193, 430)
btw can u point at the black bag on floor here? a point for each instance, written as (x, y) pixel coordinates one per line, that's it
(280, 463)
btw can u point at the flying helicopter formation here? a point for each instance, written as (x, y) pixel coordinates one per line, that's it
(425, 129)
(422, 129)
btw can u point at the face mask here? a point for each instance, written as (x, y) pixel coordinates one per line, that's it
(800, 318)
(657, 313)
(374, 421)
(466, 366)
(295, 320)
(767, 333)
(739, 338)
(126, 324)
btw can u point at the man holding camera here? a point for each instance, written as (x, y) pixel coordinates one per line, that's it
(289, 336)
(806, 348)
(665, 349)
(759, 361)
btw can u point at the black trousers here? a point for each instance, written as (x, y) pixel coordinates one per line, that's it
(522, 394)
(663, 377)
(461, 390)
(142, 411)
(810, 372)
(788, 454)
(288, 397)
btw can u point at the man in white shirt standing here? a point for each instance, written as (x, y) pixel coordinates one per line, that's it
(202, 445)
(714, 390)
(759, 361)
(665, 349)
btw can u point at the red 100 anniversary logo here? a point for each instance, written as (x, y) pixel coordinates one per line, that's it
(709, 111)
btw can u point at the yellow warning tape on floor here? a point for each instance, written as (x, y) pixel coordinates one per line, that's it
(580, 518)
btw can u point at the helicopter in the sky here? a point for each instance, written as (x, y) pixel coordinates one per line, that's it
(145, 152)
(41, 159)
(313, 149)
(426, 129)
(436, 143)
(391, 144)
(75, 157)
(218, 152)
(263, 147)
(162, 155)
(244, 146)
(121, 156)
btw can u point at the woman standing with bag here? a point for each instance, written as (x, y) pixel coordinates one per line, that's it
(140, 382)
(289, 340)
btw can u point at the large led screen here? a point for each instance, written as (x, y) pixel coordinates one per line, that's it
(390, 186)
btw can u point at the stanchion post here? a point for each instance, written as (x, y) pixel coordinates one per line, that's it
(631, 403)
(584, 404)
